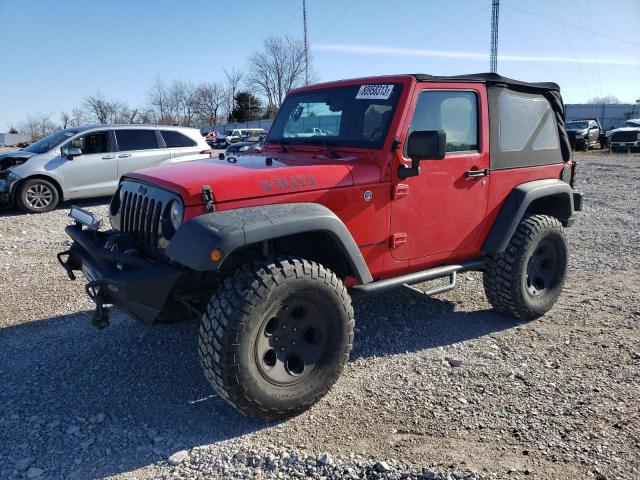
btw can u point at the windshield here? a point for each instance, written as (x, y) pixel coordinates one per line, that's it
(353, 116)
(576, 125)
(632, 123)
(47, 143)
(229, 133)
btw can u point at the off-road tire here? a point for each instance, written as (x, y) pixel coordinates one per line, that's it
(234, 325)
(29, 187)
(507, 276)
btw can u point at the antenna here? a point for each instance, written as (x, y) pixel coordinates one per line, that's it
(495, 12)
(306, 43)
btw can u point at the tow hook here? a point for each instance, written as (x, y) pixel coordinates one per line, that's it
(100, 318)
(65, 264)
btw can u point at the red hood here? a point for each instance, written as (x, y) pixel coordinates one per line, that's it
(255, 176)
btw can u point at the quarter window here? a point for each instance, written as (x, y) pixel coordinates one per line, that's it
(455, 112)
(527, 121)
(136, 139)
(176, 139)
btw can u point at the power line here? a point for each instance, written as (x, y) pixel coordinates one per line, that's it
(433, 34)
(573, 51)
(336, 20)
(495, 13)
(594, 32)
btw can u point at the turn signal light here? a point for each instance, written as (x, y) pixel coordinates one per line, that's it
(216, 255)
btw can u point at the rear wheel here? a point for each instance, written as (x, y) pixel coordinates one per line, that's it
(276, 336)
(527, 278)
(37, 196)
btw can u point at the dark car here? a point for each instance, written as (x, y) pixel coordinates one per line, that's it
(583, 134)
(244, 148)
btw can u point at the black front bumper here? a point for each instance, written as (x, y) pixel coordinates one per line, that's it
(135, 285)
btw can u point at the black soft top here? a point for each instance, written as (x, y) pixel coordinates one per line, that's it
(491, 79)
(549, 90)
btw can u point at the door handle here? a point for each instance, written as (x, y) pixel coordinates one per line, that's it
(108, 157)
(124, 155)
(477, 173)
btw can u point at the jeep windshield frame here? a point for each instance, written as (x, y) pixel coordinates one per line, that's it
(339, 116)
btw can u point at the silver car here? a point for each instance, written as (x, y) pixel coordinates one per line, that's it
(88, 161)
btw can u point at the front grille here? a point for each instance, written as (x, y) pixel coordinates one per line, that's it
(140, 218)
(141, 213)
(624, 136)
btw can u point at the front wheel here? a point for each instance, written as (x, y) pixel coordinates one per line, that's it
(527, 278)
(37, 196)
(275, 336)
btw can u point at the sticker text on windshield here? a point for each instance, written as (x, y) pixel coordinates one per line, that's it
(374, 92)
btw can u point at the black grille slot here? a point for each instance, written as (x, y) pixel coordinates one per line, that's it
(141, 214)
(624, 136)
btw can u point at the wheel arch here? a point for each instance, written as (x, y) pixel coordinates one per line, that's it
(547, 197)
(41, 176)
(308, 230)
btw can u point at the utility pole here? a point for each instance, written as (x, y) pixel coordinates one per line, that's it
(495, 11)
(306, 43)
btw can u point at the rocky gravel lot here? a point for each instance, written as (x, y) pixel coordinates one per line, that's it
(436, 387)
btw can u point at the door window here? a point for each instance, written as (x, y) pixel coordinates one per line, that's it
(136, 139)
(92, 143)
(455, 112)
(176, 139)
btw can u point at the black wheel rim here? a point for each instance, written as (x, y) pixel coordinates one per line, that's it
(542, 268)
(290, 342)
(38, 196)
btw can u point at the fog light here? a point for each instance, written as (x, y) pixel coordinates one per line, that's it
(216, 255)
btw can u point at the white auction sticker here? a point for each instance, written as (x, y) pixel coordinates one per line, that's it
(374, 92)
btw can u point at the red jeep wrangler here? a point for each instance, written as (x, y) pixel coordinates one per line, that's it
(363, 185)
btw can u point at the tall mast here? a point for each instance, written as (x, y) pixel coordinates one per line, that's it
(495, 11)
(306, 43)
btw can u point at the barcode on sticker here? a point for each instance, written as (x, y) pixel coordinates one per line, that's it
(374, 92)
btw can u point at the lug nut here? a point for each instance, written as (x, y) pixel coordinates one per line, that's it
(275, 339)
(294, 329)
(293, 343)
(282, 349)
(284, 325)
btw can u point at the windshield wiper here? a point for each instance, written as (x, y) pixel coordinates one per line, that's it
(326, 145)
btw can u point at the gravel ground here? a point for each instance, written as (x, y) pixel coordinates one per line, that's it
(436, 387)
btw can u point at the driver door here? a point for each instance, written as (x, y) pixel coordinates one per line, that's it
(443, 208)
(95, 172)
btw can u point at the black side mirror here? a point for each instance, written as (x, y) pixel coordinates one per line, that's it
(423, 145)
(221, 156)
(73, 153)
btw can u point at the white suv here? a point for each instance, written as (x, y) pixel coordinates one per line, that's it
(88, 161)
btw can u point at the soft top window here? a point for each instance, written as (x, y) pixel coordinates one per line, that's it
(527, 130)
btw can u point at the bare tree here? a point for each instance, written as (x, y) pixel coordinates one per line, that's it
(158, 99)
(77, 117)
(39, 125)
(209, 99)
(100, 108)
(277, 68)
(605, 99)
(65, 118)
(233, 79)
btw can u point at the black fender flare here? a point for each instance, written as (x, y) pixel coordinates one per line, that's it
(231, 230)
(517, 203)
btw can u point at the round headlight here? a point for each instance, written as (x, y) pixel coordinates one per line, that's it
(176, 214)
